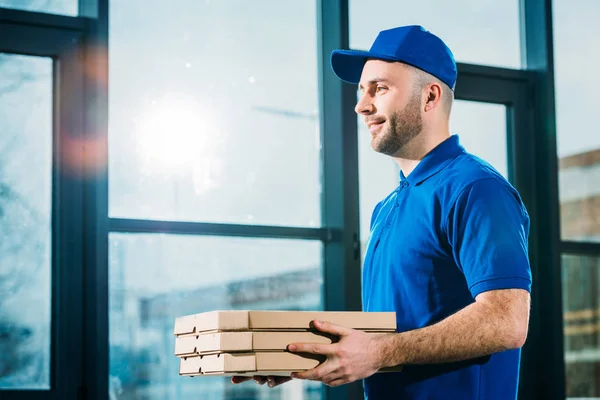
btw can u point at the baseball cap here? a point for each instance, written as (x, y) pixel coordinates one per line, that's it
(412, 45)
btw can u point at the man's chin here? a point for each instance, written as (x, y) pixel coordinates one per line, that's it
(375, 146)
(384, 148)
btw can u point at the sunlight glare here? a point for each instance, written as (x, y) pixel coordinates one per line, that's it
(176, 132)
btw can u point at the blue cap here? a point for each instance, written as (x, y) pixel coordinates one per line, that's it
(412, 45)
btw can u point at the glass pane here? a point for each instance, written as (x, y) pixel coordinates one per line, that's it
(492, 40)
(25, 215)
(581, 307)
(156, 278)
(63, 7)
(481, 128)
(578, 139)
(482, 131)
(221, 124)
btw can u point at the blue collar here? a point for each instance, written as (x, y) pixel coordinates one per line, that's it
(434, 161)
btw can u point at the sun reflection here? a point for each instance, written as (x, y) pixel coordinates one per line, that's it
(179, 136)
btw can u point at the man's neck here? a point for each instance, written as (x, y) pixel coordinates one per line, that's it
(412, 153)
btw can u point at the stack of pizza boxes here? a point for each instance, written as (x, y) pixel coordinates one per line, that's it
(249, 343)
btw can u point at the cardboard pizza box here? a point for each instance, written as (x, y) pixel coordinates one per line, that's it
(229, 342)
(282, 320)
(258, 363)
(250, 364)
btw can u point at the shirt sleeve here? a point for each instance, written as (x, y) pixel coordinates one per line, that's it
(488, 229)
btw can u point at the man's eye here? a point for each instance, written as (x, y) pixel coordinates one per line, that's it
(380, 88)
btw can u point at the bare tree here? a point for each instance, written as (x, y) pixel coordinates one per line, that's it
(22, 244)
(23, 231)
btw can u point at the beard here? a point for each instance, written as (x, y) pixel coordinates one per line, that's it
(403, 127)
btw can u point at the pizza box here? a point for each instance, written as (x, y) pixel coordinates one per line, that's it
(214, 321)
(229, 342)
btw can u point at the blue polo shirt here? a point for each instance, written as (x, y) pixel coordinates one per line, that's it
(453, 228)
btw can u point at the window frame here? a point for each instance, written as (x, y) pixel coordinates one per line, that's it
(59, 38)
(80, 204)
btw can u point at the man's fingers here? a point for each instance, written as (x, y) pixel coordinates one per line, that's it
(261, 380)
(312, 348)
(330, 327)
(336, 382)
(240, 379)
(273, 381)
(317, 373)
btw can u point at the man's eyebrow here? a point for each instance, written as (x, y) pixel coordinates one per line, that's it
(373, 81)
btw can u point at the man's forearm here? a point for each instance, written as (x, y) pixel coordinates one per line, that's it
(473, 332)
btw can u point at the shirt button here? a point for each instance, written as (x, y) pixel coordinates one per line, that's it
(404, 184)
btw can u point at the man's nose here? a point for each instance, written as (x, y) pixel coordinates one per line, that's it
(364, 105)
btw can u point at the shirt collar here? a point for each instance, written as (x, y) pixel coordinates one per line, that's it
(434, 161)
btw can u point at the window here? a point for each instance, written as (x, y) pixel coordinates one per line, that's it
(578, 139)
(157, 278)
(25, 216)
(581, 305)
(578, 147)
(221, 124)
(482, 130)
(64, 7)
(492, 40)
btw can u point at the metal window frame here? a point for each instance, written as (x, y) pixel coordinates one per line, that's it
(59, 38)
(545, 379)
(528, 94)
(514, 89)
(341, 268)
(580, 248)
(85, 228)
(95, 382)
(123, 225)
(340, 173)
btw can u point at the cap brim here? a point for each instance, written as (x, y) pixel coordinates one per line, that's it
(348, 64)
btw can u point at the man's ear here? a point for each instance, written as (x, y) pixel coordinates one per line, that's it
(434, 96)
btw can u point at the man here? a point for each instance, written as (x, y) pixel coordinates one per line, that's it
(447, 250)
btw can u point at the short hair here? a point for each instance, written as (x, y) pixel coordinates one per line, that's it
(422, 79)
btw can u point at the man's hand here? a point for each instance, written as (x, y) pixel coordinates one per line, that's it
(355, 356)
(271, 381)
